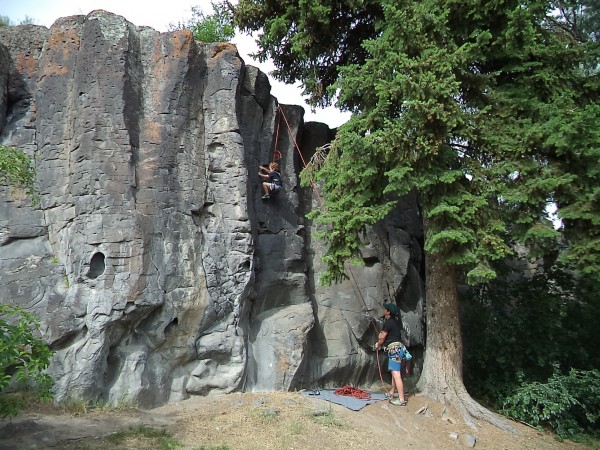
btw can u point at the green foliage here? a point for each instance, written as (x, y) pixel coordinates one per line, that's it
(23, 357)
(16, 169)
(569, 404)
(490, 111)
(517, 330)
(308, 41)
(208, 28)
(531, 348)
(583, 17)
(4, 21)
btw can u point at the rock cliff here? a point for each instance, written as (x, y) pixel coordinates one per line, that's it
(156, 269)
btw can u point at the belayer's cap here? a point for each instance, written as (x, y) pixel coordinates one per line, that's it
(391, 308)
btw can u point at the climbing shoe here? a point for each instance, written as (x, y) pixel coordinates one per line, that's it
(266, 197)
(397, 402)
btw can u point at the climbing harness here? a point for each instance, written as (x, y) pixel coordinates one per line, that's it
(398, 352)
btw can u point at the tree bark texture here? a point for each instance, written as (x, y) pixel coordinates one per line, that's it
(442, 376)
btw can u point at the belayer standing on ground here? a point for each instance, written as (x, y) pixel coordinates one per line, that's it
(389, 339)
(271, 179)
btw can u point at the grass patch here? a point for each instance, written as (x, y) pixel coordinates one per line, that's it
(146, 438)
(81, 407)
(265, 416)
(28, 401)
(296, 427)
(328, 419)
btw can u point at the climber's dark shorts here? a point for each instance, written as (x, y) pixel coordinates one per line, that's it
(274, 187)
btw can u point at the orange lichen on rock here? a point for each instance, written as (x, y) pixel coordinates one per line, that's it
(223, 47)
(26, 63)
(181, 42)
(64, 41)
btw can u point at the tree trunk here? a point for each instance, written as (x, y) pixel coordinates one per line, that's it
(442, 376)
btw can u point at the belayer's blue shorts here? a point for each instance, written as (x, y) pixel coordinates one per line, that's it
(394, 364)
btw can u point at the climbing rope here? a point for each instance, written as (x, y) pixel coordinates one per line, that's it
(316, 191)
(320, 200)
(351, 391)
(379, 369)
(312, 181)
(276, 152)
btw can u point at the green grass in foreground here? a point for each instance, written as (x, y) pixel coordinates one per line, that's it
(155, 439)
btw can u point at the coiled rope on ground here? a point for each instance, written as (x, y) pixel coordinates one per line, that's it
(351, 391)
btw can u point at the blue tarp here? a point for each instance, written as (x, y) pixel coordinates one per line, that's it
(352, 403)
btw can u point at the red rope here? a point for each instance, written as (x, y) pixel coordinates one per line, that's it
(312, 182)
(350, 391)
(379, 368)
(277, 153)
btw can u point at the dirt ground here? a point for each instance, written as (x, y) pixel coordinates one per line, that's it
(272, 421)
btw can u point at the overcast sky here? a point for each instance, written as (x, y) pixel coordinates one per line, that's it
(158, 15)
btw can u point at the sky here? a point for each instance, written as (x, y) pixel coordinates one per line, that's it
(158, 15)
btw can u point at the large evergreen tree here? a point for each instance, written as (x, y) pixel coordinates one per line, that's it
(488, 109)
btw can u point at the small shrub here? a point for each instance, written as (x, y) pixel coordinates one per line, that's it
(16, 169)
(23, 358)
(208, 28)
(568, 404)
(517, 328)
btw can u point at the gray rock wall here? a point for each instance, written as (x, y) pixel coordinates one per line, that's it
(155, 267)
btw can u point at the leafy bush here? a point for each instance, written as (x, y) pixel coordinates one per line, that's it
(16, 168)
(531, 349)
(569, 404)
(215, 27)
(517, 330)
(23, 357)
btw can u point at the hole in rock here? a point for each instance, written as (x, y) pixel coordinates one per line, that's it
(97, 265)
(171, 325)
(370, 261)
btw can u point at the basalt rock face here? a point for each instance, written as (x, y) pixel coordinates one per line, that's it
(155, 267)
